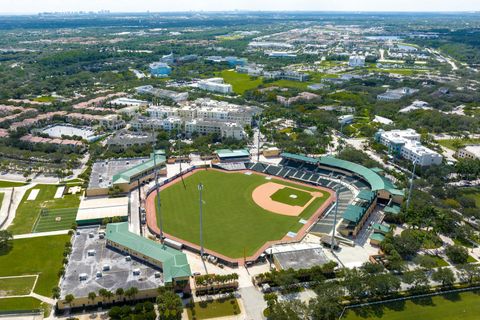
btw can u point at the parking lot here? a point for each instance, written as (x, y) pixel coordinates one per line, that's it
(101, 267)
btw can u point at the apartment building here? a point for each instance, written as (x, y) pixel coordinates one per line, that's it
(356, 61)
(215, 85)
(406, 144)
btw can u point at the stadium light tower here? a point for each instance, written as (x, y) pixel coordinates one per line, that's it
(258, 139)
(200, 189)
(332, 242)
(160, 220)
(411, 184)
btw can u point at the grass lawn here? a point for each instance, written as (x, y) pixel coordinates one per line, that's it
(462, 242)
(214, 309)
(289, 84)
(16, 286)
(56, 219)
(2, 195)
(239, 81)
(461, 306)
(283, 196)
(44, 99)
(471, 259)
(9, 184)
(42, 256)
(439, 261)
(232, 222)
(26, 303)
(29, 210)
(455, 144)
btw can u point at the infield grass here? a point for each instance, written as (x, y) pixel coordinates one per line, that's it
(233, 224)
(41, 255)
(292, 197)
(456, 306)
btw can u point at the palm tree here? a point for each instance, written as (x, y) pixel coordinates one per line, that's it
(119, 292)
(91, 296)
(69, 299)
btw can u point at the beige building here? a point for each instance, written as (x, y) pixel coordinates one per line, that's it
(469, 152)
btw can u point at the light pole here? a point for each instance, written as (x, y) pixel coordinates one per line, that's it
(332, 242)
(160, 220)
(258, 139)
(411, 184)
(200, 188)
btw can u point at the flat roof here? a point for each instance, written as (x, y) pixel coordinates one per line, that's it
(120, 274)
(126, 175)
(353, 213)
(299, 256)
(102, 207)
(103, 171)
(174, 262)
(227, 153)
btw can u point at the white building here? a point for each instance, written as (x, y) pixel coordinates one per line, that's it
(112, 122)
(469, 152)
(215, 85)
(396, 94)
(223, 129)
(356, 61)
(406, 143)
(128, 102)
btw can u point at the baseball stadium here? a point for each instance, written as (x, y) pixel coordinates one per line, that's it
(249, 206)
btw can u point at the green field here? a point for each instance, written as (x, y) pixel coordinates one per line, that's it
(28, 211)
(9, 184)
(455, 144)
(16, 286)
(232, 222)
(42, 256)
(214, 309)
(240, 82)
(462, 306)
(20, 304)
(56, 219)
(289, 84)
(283, 196)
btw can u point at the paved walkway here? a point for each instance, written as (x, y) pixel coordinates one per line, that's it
(18, 193)
(40, 234)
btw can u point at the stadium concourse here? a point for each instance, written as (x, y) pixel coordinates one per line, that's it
(359, 191)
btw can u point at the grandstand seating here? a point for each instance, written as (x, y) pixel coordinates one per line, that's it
(273, 170)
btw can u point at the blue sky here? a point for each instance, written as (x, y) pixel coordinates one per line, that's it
(32, 6)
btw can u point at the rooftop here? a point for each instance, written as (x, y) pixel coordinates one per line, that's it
(174, 262)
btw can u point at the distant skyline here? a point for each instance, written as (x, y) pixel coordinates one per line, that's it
(35, 6)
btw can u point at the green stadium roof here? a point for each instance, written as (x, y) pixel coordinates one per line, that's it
(382, 228)
(377, 236)
(376, 181)
(366, 195)
(354, 213)
(227, 153)
(394, 209)
(126, 175)
(174, 262)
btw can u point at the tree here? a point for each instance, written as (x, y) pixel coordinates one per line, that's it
(69, 299)
(288, 310)
(119, 292)
(372, 268)
(383, 284)
(55, 292)
(427, 262)
(170, 305)
(469, 273)
(417, 279)
(457, 254)
(445, 276)
(92, 296)
(354, 283)
(271, 299)
(131, 292)
(5, 239)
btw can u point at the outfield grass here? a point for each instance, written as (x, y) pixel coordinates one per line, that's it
(240, 82)
(283, 196)
(20, 304)
(455, 144)
(16, 286)
(10, 184)
(42, 256)
(233, 224)
(462, 306)
(29, 210)
(213, 309)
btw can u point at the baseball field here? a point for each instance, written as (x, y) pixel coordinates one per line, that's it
(241, 211)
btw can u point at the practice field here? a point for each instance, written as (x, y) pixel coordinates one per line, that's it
(55, 219)
(233, 224)
(42, 256)
(457, 306)
(16, 286)
(293, 197)
(28, 219)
